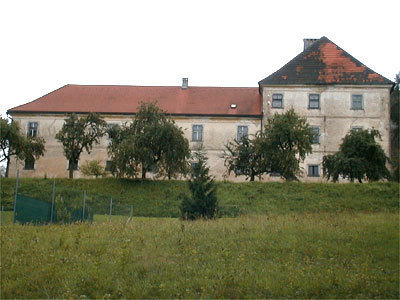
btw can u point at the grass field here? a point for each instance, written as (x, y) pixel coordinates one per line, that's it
(160, 198)
(289, 240)
(309, 255)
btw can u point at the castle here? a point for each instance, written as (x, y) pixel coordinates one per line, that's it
(325, 84)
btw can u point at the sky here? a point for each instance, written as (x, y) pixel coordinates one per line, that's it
(47, 44)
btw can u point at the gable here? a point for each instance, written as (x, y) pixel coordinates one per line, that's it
(324, 63)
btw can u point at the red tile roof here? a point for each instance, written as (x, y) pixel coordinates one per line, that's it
(126, 99)
(325, 63)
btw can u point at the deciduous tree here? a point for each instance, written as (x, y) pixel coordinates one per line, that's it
(359, 157)
(152, 142)
(245, 157)
(287, 139)
(78, 134)
(14, 142)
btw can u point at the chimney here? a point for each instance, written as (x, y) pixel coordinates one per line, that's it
(308, 43)
(185, 83)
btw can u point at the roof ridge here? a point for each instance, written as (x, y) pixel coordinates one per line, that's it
(161, 86)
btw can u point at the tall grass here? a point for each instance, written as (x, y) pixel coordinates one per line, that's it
(311, 255)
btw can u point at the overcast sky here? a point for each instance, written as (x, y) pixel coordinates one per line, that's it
(47, 44)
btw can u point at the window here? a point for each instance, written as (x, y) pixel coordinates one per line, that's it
(357, 102)
(73, 164)
(111, 130)
(109, 166)
(356, 128)
(313, 101)
(277, 101)
(32, 128)
(242, 131)
(275, 174)
(29, 164)
(197, 133)
(315, 130)
(193, 165)
(313, 170)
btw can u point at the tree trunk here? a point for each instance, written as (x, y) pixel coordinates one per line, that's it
(252, 176)
(71, 172)
(7, 167)
(143, 173)
(169, 175)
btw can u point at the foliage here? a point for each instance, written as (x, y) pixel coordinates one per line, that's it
(395, 128)
(319, 256)
(286, 141)
(245, 157)
(78, 134)
(359, 157)
(92, 168)
(203, 200)
(14, 142)
(152, 142)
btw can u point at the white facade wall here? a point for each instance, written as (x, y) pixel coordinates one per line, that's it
(335, 117)
(217, 131)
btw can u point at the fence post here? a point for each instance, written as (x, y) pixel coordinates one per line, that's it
(52, 201)
(110, 207)
(16, 196)
(83, 209)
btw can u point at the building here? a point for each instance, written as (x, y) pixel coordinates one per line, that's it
(336, 93)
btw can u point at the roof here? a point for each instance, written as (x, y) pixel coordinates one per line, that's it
(325, 63)
(126, 99)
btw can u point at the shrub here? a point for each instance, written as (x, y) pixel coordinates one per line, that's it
(92, 168)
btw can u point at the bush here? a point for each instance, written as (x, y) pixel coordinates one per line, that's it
(203, 201)
(92, 168)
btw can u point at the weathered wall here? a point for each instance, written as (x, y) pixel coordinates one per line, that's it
(335, 116)
(216, 133)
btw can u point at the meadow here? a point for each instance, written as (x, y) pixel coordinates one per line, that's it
(288, 240)
(311, 255)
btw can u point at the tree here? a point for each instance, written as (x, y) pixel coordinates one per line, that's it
(78, 134)
(286, 141)
(395, 127)
(359, 157)
(245, 157)
(176, 152)
(152, 142)
(92, 168)
(13, 142)
(203, 201)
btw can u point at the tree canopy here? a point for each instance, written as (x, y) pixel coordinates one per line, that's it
(245, 156)
(152, 142)
(359, 157)
(78, 134)
(14, 142)
(287, 140)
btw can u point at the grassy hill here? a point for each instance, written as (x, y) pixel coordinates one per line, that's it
(161, 198)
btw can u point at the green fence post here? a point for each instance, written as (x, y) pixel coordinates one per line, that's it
(110, 207)
(16, 196)
(52, 201)
(83, 209)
